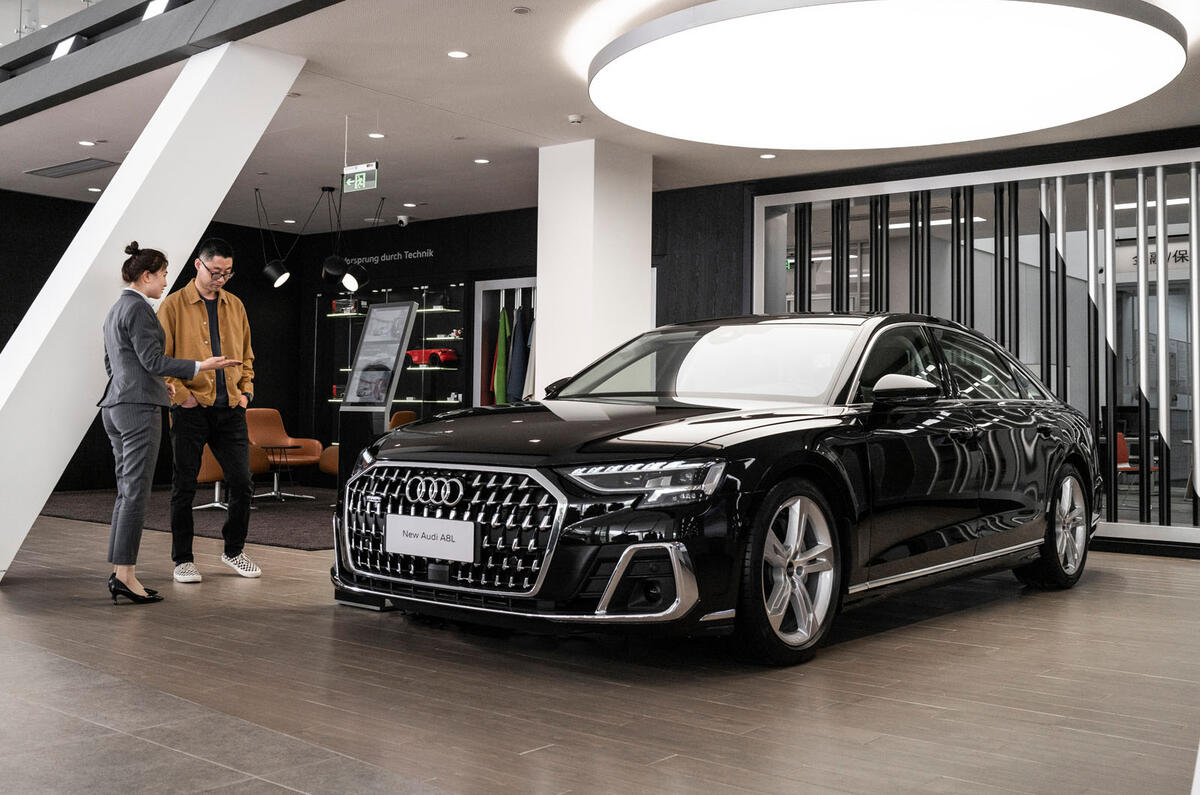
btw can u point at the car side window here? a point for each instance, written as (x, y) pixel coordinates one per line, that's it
(979, 373)
(906, 351)
(1032, 389)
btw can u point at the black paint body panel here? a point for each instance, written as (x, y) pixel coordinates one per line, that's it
(914, 485)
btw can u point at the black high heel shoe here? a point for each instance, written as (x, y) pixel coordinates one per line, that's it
(118, 588)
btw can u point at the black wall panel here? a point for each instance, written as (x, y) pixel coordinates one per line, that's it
(464, 249)
(699, 246)
(36, 230)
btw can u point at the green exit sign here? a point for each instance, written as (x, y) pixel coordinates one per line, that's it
(364, 176)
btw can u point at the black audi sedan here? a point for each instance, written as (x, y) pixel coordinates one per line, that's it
(750, 475)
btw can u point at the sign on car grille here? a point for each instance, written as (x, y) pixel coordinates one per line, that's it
(512, 512)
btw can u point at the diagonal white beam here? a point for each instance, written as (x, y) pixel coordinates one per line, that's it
(163, 195)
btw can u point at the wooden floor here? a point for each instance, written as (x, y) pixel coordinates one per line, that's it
(267, 686)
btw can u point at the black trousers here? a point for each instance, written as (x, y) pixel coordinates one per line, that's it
(224, 431)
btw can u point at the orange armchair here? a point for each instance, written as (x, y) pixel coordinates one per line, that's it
(329, 460)
(211, 472)
(265, 428)
(401, 418)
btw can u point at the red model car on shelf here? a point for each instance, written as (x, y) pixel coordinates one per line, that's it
(430, 357)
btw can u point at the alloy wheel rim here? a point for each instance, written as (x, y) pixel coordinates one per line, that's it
(1070, 525)
(798, 571)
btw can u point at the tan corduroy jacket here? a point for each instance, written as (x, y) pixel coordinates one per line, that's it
(184, 319)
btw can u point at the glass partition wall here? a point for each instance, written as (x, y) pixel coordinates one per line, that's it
(1069, 268)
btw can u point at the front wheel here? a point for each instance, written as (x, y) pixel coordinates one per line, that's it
(1064, 551)
(791, 576)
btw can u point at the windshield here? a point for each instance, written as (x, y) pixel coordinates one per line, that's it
(720, 365)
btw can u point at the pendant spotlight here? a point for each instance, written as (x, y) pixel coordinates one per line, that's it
(275, 269)
(355, 277)
(665, 77)
(334, 270)
(276, 272)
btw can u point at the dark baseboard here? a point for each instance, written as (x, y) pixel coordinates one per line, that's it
(1167, 549)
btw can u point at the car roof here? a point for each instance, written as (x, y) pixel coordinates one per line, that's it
(838, 318)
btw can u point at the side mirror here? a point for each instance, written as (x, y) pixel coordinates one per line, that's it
(554, 386)
(894, 386)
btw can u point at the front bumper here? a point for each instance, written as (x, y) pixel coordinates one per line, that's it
(597, 563)
(682, 574)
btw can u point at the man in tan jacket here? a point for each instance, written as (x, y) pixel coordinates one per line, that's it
(204, 318)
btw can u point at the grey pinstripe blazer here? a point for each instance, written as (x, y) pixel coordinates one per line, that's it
(133, 355)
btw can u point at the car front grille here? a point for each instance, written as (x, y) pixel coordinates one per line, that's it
(515, 526)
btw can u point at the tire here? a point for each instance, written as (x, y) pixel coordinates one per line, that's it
(792, 570)
(408, 361)
(435, 360)
(1063, 553)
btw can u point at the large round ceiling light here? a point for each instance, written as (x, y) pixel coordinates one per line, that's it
(868, 74)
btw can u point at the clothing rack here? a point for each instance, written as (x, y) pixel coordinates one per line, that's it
(492, 298)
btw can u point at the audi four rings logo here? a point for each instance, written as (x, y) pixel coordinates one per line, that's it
(434, 491)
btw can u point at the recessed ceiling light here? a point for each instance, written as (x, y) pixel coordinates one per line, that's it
(483, 161)
(458, 54)
(410, 204)
(767, 156)
(289, 220)
(521, 9)
(95, 190)
(376, 135)
(87, 143)
(263, 173)
(662, 77)
(293, 94)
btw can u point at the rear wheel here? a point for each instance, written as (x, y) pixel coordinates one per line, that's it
(434, 360)
(791, 576)
(1064, 551)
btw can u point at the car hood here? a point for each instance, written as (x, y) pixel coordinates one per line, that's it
(563, 431)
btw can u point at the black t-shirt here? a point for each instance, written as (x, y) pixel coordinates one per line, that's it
(214, 330)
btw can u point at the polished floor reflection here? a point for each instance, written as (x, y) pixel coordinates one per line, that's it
(265, 685)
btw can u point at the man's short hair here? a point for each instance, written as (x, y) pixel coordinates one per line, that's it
(214, 247)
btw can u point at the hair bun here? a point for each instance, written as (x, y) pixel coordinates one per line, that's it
(132, 248)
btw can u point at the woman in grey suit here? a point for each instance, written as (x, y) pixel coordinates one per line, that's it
(132, 407)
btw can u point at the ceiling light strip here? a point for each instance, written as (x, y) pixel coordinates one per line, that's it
(662, 77)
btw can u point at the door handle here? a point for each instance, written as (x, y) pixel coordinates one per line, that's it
(1045, 430)
(964, 434)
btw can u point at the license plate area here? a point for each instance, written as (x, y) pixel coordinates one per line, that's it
(443, 539)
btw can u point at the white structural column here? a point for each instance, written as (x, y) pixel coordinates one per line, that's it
(593, 261)
(163, 195)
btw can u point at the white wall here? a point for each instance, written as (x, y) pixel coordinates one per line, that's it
(594, 278)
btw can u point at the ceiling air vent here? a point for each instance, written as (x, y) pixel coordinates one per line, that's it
(74, 167)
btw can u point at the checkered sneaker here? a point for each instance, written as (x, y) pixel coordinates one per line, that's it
(242, 565)
(187, 572)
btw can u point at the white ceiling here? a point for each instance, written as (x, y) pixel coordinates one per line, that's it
(386, 60)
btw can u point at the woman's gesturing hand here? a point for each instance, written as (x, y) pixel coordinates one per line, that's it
(217, 363)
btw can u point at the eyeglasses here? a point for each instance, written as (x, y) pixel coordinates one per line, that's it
(219, 275)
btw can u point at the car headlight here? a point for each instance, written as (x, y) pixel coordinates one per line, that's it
(664, 483)
(364, 460)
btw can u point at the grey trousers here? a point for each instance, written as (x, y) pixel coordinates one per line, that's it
(135, 430)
